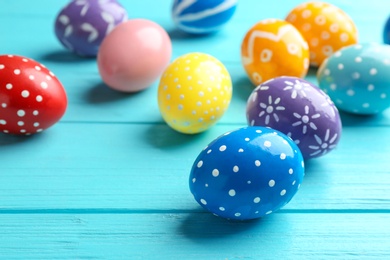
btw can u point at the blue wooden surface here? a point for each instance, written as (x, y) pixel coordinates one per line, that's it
(110, 180)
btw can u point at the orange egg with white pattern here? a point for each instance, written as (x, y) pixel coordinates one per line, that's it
(325, 27)
(273, 48)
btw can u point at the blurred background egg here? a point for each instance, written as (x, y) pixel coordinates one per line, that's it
(386, 32)
(82, 25)
(194, 92)
(298, 109)
(202, 16)
(247, 173)
(273, 48)
(357, 78)
(134, 55)
(325, 27)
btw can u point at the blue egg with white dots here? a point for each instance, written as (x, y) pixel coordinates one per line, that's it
(202, 16)
(357, 78)
(247, 173)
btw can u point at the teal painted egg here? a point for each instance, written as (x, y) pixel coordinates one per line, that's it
(357, 78)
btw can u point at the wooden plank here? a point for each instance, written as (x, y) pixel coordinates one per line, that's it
(146, 166)
(194, 236)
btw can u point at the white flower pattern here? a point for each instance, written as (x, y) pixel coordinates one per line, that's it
(323, 145)
(297, 87)
(270, 109)
(306, 120)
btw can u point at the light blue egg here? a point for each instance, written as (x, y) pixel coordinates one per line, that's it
(202, 16)
(357, 78)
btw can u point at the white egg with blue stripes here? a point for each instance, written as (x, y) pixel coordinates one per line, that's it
(202, 16)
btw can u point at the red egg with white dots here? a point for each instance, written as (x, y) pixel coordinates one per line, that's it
(31, 97)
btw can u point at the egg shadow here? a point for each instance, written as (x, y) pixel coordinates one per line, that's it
(177, 34)
(65, 56)
(101, 93)
(162, 136)
(204, 226)
(243, 87)
(11, 139)
(350, 119)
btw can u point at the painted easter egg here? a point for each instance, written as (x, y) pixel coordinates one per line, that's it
(202, 16)
(273, 48)
(82, 25)
(386, 32)
(325, 27)
(31, 97)
(300, 110)
(247, 173)
(194, 92)
(357, 78)
(134, 55)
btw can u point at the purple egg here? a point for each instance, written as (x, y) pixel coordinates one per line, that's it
(298, 109)
(82, 25)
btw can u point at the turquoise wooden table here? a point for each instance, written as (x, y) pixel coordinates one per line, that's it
(110, 180)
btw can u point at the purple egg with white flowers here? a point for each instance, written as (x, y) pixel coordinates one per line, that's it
(298, 109)
(82, 24)
(247, 173)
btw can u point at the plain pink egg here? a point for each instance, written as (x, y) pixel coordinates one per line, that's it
(134, 55)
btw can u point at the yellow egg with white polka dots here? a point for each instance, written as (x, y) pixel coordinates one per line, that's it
(194, 92)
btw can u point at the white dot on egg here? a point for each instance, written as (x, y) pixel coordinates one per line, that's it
(37, 68)
(36, 124)
(268, 212)
(371, 87)
(358, 59)
(232, 193)
(200, 163)
(39, 98)
(235, 168)
(366, 105)
(283, 192)
(203, 201)
(17, 72)
(221, 208)
(44, 85)
(4, 105)
(21, 112)
(383, 95)
(340, 66)
(257, 163)
(237, 214)
(35, 112)
(350, 92)
(271, 183)
(31, 77)
(355, 75)
(373, 71)
(20, 123)
(267, 144)
(8, 86)
(282, 156)
(222, 148)
(290, 171)
(215, 172)
(25, 93)
(256, 200)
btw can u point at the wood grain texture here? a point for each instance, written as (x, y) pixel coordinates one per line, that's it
(110, 181)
